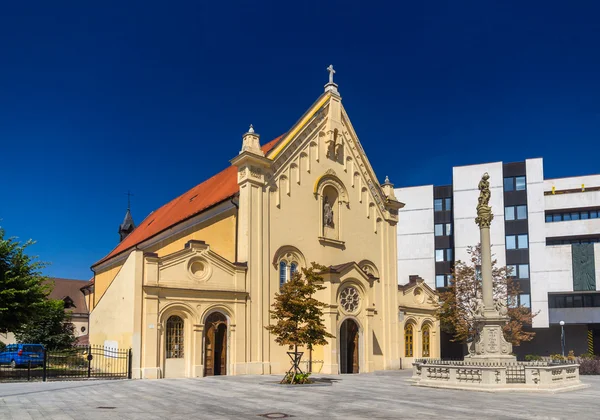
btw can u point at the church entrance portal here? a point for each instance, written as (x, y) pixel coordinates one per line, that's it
(349, 347)
(215, 345)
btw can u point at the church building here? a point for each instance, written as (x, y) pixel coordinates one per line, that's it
(190, 288)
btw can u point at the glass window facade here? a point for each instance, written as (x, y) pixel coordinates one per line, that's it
(509, 213)
(511, 242)
(523, 271)
(439, 230)
(567, 216)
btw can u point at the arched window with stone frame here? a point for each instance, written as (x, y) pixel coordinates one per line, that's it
(426, 340)
(288, 260)
(409, 340)
(174, 337)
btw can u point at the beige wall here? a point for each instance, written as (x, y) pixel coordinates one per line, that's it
(102, 280)
(113, 317)
(218, 232)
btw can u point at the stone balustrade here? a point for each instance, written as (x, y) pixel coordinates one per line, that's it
(497, 376)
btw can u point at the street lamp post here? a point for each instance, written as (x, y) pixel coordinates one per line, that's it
(562, 337)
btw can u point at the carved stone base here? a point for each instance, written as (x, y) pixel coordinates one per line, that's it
(489, 344)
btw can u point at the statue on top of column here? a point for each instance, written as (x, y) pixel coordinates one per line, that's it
(484, 211)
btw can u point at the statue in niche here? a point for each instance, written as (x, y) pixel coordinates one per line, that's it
(327, 213)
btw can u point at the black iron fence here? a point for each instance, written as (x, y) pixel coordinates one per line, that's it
(79, 362)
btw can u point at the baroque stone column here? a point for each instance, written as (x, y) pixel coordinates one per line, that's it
(490, 315)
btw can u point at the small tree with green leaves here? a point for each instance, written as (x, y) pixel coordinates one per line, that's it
(22, 285)
(50, 326)
(298, 317)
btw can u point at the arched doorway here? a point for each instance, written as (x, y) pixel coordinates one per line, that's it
(349, 356)
(174, 347)
(215, 345)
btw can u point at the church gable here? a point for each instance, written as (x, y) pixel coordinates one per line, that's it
(323, 143)
(195, 267)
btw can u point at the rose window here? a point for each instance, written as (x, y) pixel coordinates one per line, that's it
(349, 299)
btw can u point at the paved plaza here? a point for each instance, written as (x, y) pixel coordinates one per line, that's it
(366, 396)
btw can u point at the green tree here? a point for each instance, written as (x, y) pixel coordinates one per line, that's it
(22, 285)
(51, 326)
(298, 314)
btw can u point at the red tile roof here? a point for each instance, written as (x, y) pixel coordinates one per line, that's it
(210, 192)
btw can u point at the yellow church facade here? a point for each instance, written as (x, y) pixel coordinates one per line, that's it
(190, 288)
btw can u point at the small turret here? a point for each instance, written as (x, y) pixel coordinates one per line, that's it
(388, 189)
(251, 142)
(128, 225)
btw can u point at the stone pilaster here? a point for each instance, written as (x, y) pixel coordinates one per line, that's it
(252, 176)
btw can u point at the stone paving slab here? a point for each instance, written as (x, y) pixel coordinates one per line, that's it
(364, 396)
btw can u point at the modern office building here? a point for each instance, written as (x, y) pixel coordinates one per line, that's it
(546, 230)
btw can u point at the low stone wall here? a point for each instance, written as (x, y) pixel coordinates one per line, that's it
(524, 376)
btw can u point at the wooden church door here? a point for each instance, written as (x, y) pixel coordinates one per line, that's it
(215, 345)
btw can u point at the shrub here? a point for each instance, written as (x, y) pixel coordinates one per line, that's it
(589, 366)
(533, 357)
(298, 378)
(558, 357)
(571, 356)
(587, 356)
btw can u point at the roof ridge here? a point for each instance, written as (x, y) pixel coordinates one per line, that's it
(218, 188)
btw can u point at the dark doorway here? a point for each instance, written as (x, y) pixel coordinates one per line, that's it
(349, 347)
(215, 345)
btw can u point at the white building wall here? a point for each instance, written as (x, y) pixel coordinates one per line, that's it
(550, 267)
(573, 227)
(416, 254)
(466, 193)
(538, 272)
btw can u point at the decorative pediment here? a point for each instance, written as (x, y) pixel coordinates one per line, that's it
(340, 272)
(417, 294)
(195, 266)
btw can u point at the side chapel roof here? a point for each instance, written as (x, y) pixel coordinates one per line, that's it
(214, 190)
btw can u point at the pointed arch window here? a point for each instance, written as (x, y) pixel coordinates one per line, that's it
(426, 332)
(287, 261)
(293, 269)
(282, 273)
(174, 341)
(408, 340)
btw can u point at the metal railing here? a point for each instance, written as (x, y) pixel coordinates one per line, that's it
(78, 362)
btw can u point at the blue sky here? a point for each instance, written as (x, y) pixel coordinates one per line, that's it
(153, 97)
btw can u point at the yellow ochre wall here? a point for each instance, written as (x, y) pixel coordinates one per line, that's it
(101, 282)
(113, 317)
(219, 233)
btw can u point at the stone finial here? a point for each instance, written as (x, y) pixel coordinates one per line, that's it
(251, 142)
(484, 211)
(388, 188)
(331, 87)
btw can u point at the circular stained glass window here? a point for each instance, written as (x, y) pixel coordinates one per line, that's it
(350, 299)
